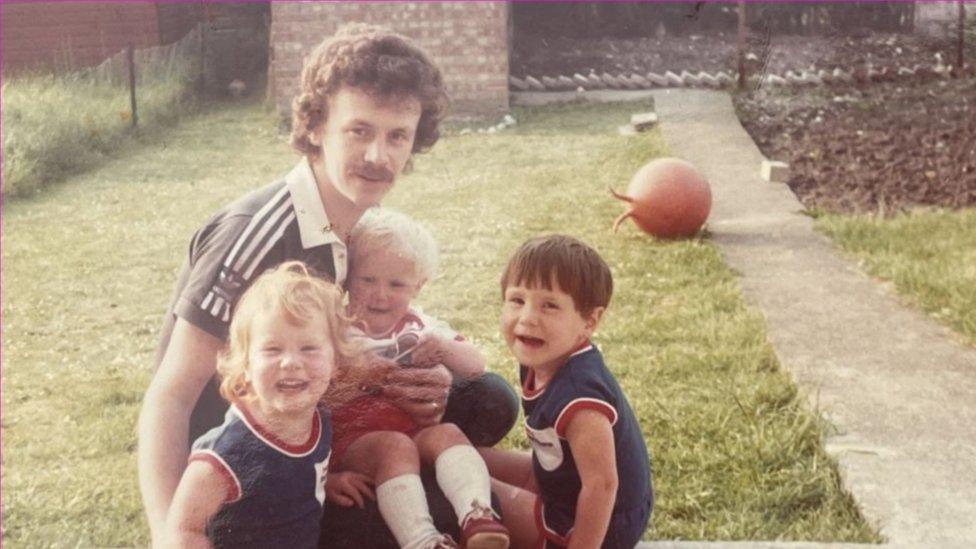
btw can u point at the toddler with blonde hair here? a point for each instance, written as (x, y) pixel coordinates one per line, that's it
(259, 478)
(391, 258)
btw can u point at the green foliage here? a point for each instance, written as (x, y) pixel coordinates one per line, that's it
(929, 255)
(57, 125)
(89, 266)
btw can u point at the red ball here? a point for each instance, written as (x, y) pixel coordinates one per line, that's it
(668, 198)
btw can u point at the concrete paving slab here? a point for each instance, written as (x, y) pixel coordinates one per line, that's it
(750, 545)
(900, 389)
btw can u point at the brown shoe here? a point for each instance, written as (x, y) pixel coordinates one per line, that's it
(480, 529)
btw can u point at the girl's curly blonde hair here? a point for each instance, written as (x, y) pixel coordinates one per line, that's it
(293, 290)
(378, 61)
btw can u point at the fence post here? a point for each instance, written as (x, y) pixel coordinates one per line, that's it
(742, 45)
(962, 23)
(130, 58)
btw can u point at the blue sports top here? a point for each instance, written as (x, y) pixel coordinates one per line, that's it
(275, 490)
(583, 383)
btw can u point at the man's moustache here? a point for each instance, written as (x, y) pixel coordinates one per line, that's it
(375, 173)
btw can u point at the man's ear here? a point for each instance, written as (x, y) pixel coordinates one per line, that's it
(592, 320)
(315, 136)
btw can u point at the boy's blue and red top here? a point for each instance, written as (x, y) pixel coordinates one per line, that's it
(583, 383)
(275, 490)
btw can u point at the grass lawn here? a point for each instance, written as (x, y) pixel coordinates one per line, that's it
(929, 256)
(88, 268)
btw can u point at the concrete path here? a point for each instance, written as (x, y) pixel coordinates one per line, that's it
(900, 389)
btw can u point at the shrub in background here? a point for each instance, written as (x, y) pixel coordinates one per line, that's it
(56, 125)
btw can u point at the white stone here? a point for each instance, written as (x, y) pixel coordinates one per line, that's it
(643, 120)
(517, 83)
(657, 79)
(775, 171)
(534, 84)
(627, 130)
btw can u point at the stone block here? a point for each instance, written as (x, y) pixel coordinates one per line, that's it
(724, 79)
(775, 171)
(517, 83)
(581, 80)
(627, 130)
(708, 80)
(629, 82)
(566, 82)
(643, 120)
(596, 82)
(641, 82)
(657, 79)
(534, 84)
(551, 84)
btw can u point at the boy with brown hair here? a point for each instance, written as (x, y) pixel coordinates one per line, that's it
(587, 481)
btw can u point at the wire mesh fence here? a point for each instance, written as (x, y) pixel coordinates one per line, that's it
(58, 124)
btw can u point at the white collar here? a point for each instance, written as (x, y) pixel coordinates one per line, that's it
(313, 224)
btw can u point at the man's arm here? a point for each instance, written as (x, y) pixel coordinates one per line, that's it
(198, 497)
(590, 436)
(188, 364)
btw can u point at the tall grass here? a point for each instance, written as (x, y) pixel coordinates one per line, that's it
(57, 125)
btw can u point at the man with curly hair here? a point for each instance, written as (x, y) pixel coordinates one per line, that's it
(369, 100)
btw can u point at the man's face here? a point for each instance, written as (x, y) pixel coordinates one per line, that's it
(365, 143)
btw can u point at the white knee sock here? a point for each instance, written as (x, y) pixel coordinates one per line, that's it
(463, 477)
(403, 504)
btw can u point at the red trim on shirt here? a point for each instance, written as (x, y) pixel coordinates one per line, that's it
(544, 532)
(579, 348)
(528, 386)
(579, 404)
(277, 443)
(233, 487)
(529, 390)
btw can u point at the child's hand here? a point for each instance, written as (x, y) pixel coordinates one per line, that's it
(346, 488)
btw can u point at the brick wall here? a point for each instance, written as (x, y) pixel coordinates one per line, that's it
(467, 40)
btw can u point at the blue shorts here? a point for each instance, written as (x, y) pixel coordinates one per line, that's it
(624, 531)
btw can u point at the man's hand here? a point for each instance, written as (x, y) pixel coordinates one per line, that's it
(346, 488)
(367, 377)
(430, 351)
(420, 392)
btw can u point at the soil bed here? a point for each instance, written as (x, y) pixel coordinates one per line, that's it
(880, 147)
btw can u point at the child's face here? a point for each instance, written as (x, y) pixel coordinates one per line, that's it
(381, 286)
(542, 327)
(289, 365)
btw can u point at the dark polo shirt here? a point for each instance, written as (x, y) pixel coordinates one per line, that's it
(279, 222)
